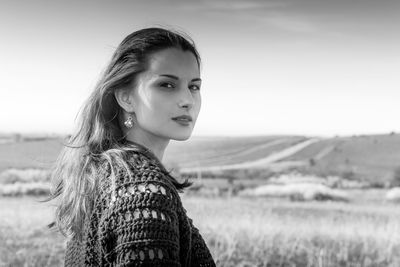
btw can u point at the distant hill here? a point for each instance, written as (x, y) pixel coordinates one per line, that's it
(29, 154)
(369, 157)
(219, 151)
(373, 157)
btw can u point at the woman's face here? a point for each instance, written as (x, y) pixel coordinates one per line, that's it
(170, 87)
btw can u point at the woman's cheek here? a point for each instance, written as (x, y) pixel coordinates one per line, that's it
(199, 104)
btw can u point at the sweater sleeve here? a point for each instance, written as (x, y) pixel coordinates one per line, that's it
(139, 226)
(201, 255)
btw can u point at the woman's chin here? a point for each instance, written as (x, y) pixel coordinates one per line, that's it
(181, 137)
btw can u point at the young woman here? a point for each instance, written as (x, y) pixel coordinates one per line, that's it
(117, 203)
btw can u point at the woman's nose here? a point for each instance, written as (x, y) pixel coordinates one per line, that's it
(186, 100)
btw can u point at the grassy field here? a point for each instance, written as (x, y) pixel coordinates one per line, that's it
(220, 151)
(239, 232)
(33, 154)
(198, 150)
(371, 158)
(24, 239)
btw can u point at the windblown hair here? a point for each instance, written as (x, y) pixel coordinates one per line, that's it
(98, 135)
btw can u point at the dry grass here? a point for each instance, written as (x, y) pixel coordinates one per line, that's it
(298, 191)
(256, 232)
(12, 175)
(238, 231)
(298, 187)
(18, 182)
(22, 189)
(24, 238)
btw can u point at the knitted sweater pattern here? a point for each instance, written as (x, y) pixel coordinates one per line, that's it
(139, 222)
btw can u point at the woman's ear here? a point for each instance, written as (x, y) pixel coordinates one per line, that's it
(124, 98)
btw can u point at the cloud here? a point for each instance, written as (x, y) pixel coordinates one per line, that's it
(289, 23)
(276, 14)
(229, 6)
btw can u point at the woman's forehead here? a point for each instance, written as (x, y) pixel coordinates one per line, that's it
(173, 61)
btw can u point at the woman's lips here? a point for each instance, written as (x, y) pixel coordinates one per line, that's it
(183, 117)
(182, 121)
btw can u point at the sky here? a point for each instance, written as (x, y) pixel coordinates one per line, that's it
(302, 67)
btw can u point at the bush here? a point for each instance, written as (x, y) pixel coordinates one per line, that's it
(396, 177)
(249, 173)
(377, 184)
(12, 176)
(348, 175)
(21, 189)
(297, 191)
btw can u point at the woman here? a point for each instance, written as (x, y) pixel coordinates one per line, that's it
(118, 204)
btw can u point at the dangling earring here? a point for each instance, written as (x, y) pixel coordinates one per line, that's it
(129, 122)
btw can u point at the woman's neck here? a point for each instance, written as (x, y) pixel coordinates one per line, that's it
(153, 143)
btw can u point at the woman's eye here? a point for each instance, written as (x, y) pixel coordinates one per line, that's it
(167, 85)
(194, 87)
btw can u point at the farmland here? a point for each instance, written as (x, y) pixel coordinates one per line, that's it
(240, 229)
(371, 158)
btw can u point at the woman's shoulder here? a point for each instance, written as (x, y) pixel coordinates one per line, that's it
(139, 183)
(134, 168)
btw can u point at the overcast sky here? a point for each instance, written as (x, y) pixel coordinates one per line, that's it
(312, 67)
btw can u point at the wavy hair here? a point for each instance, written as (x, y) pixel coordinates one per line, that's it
(98, 135)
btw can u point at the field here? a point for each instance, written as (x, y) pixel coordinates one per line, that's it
(25, 241)
(372, 158)
(360, 230)
(238, 231)
(31, 154)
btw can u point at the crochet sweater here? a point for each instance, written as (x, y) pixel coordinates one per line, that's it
(139, 222)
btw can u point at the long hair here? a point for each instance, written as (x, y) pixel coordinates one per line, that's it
(98, 135)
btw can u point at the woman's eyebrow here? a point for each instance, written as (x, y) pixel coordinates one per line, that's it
(176, 78)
